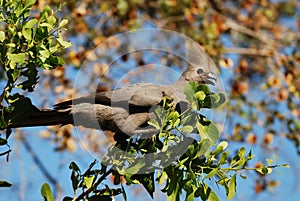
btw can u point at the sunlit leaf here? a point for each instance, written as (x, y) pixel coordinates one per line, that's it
(16, 58)
(212, 173)
(187, 129)
(29, 3)
(200, 95)
(30, 24)
(2, 36)
(154, 123)
(209, 131)
(63, 22)
(88, 181)
(231, 187)
(46, 192)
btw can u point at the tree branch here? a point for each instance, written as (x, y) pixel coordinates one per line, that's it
(248, 51)
(96, 184)
(39, 164)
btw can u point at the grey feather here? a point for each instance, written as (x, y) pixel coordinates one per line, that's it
(123, 110)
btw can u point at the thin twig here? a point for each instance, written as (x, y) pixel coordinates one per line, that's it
(255, 34)
(248, 51)
(96, 184)
(39, 164)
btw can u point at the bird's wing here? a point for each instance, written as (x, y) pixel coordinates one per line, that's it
(140, 95)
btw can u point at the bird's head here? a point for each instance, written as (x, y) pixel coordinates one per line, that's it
(198, 75)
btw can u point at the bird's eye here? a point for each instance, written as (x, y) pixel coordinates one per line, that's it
(200, 71)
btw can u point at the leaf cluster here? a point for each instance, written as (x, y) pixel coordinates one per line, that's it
(188, 172)
(28, 41)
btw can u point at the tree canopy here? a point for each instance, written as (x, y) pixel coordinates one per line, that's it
(55, 50)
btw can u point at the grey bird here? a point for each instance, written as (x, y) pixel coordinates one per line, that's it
(124, 110)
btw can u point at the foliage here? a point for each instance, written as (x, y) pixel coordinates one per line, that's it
(265, 48)
(27, 43)
(201, 161)
(46, 192)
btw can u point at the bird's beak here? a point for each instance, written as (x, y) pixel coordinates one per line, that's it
(211, 78)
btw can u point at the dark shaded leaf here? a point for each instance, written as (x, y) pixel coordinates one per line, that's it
(3, 141)
(147, 180)
(5, 184)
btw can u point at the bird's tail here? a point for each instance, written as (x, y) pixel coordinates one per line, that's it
(43, 118)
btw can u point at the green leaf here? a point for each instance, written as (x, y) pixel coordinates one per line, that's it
(30, 24)
(264, 170)
(161, 178)
(32, 76)
(29, 3)
(190, 150)
(222, 96)
(200, 95)
(27, 33)
(74, 166)
(269, 161)
(204, 88)
(51, 20)
(16, 58)
(176, 123)
(212, 173)
(203, 147)
(209, 131)
(45, 54)
(187, 129)
(2, 36)
(231, 187)
(214, 100)
(53, 62)
(174, 115)
(223, 158)
(135, 168)
(221, 147)
(190, 191)
(147, 180)
(285, 166)
(67, 198)
(209, 194)
(4, 184)
(175, 194)
(189, 91)
(213, 197)
(3, 141)
(63, 23)
(88, 181)
(172, 187)
(63, 43)
(46, 192)
(45, 12)
(154, 123)
(46, 24)
(239, 159)
(75, 180)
